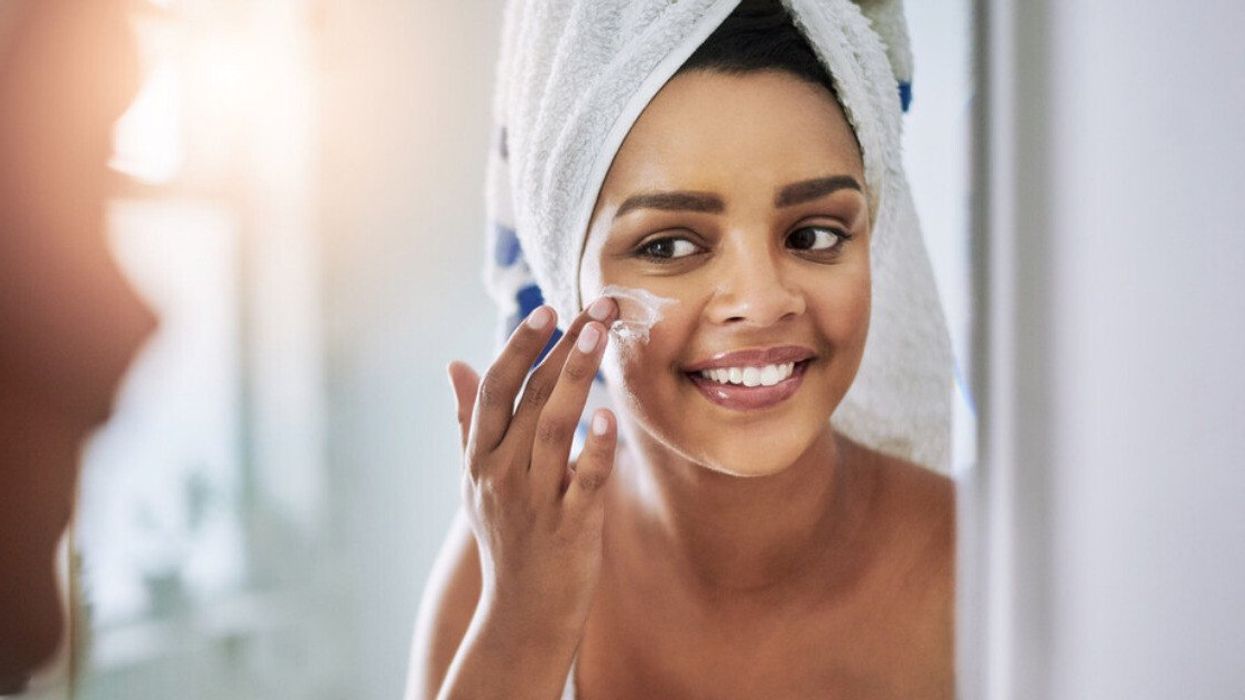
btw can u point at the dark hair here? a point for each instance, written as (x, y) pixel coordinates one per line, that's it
(759, 35)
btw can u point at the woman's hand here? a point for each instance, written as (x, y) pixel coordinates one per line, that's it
(537, 520)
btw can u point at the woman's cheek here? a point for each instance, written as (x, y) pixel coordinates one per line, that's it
(843, 313)
(862, 307)
(644, 349)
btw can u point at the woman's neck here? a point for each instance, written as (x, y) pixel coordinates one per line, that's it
(731, 539)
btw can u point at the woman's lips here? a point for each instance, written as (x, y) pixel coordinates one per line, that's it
(746, 398)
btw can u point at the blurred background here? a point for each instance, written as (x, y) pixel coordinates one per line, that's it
(300, 197)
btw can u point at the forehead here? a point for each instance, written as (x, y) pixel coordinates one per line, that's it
(718, 132)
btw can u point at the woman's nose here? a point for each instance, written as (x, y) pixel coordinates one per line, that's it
(754, 289)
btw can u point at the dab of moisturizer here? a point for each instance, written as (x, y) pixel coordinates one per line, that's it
(637, 316)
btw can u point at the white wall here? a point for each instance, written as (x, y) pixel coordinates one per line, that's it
(1114, 452)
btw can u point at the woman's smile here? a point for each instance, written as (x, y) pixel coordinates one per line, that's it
(759, 388)
(746, 380)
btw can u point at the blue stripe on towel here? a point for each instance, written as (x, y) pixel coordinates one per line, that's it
(905, 95)
(530, 298)
(507, 250)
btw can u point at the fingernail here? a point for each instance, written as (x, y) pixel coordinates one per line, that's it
(588, 338)
(539, 318)
(599, 424)
(600, 309)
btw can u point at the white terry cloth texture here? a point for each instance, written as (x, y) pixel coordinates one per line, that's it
(572, 78)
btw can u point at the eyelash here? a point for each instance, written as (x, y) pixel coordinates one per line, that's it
(642, 251)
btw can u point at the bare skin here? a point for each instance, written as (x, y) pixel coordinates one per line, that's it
(69, 321)
(868, 618)
(889, 633)
(739, 553)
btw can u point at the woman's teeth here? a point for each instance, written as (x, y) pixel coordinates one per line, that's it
(767, 375)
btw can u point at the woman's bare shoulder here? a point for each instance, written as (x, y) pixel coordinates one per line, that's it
(919, 507)
(914, 498)
(921, 504)
(915, 511)
(445, 610)
(924, 503)
(917, 499)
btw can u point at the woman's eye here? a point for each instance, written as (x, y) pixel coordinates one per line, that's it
(817, 238)
(668, 248)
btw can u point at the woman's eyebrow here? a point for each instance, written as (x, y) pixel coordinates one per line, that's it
(808, 190)
(709, 203)
(673, 201)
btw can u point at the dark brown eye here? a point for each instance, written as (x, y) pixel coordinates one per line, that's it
(817, 238)
(668, 248)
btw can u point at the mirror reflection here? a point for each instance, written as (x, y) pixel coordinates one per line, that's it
(290, 410)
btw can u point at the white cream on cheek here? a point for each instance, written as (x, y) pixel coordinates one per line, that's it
(638, 311)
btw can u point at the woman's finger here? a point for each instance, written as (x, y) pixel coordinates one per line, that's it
(555, 428)
(494, 403)
(595, 463)
(541, 382)
(465, 382)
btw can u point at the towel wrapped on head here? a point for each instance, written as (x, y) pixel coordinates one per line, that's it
(573, 77)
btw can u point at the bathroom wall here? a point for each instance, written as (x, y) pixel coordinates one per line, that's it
(1112, 246)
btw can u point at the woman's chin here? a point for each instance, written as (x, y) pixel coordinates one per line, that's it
(749, 458)
(735, 443)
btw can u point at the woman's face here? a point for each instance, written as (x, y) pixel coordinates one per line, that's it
(738, 198)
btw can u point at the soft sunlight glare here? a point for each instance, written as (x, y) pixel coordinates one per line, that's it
(208, 83)
(148, 144)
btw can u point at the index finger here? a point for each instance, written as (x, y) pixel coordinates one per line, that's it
(540, 384)
(495, 396)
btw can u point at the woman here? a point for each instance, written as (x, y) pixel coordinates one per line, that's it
(718, 535)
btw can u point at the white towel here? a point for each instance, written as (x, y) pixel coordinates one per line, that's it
(573, 77)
